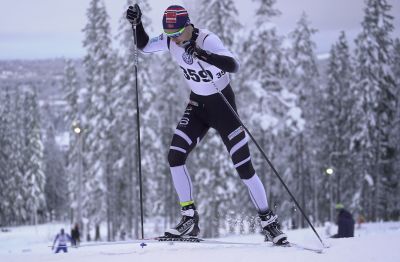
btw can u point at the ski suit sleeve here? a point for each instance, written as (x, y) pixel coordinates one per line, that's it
(156, 44)
(219, 55)
(55, 240)
(142, 37)
(147, 45)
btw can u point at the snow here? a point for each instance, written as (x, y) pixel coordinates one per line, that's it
(369, 179)
(63, 139)
(372, 242)
(323, 56)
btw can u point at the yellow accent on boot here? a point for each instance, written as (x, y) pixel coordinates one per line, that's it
(183, 204)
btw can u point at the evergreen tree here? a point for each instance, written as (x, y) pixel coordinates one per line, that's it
(17, 125)
(265, 81)
(304, 83)
(220, 17)
(396, 131)
(34, 177)
(125, 123)
(7, 183)
(377, 106)
(71, 90)
(337, 124)
(56, 188)
(72, 117)
(99, 64)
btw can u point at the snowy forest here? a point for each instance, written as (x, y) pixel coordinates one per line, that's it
(308, 114)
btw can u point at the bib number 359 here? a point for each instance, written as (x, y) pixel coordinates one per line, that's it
(199, 76)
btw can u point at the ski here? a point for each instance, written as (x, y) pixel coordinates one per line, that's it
(299, 246)
(173, 240)
(192, 240)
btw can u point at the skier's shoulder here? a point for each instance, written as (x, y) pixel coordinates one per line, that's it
(204, 34)
(210, 41)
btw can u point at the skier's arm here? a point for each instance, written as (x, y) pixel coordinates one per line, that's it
(142, 36)
(55, 240)
(226, 63)
(134, 16)
(215, 53)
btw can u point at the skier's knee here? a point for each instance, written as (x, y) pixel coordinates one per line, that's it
(176, 158)
(246, 171)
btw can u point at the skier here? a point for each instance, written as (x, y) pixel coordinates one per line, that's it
(205, 109)
(345, 222)
(75, 235)
(62, 239)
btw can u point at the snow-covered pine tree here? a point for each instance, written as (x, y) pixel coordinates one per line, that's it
(377, 106)
(56, 188)
(220, 17)
(34, 177)
(7, 181)
(304, 83)
(396, 131)
(99, 64)
(18, 156)
(125, 122)
(13, 209)
(264, 79)
(3, 173)
(336, 127)
(71, 86)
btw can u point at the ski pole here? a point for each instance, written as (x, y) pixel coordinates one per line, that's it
(261, 151)
(136, 62)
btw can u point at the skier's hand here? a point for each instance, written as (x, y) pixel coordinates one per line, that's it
(134, 14)
(192, 49)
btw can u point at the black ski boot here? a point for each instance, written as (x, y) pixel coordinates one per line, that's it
(272, 228)
(189, 224)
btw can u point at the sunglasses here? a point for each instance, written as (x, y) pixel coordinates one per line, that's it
(175, 34)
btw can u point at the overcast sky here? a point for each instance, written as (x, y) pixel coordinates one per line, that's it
(32, 29)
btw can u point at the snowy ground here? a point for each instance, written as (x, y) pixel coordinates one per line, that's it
(373, 242)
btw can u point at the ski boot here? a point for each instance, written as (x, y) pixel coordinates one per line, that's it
(272, 228)
(188, 226)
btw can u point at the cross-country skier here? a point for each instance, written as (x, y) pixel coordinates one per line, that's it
(344, 221)
(206, 109)
(62, 239)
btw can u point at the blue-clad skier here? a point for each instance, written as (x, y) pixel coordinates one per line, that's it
(62, 238)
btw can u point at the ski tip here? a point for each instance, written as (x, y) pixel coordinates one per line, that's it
(291, 244)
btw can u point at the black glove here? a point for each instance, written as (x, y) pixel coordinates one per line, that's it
(192, 49)
(134, 14)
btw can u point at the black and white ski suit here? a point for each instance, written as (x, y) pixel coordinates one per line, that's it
(206, 109)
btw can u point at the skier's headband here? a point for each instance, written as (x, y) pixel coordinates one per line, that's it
(175, 17)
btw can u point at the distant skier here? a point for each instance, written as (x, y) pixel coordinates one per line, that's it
(75, 235)
(62, 238)
(206, 109)
(345, 223)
